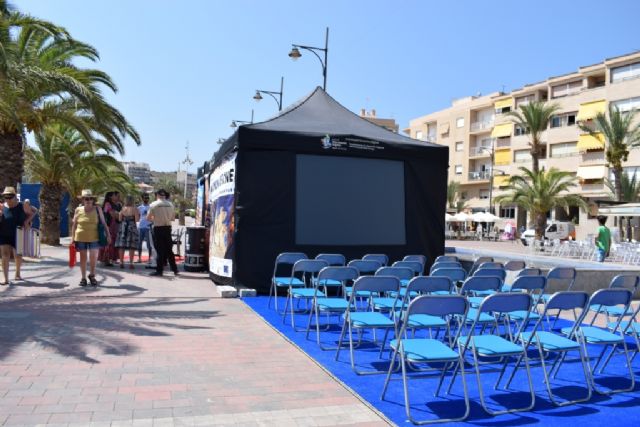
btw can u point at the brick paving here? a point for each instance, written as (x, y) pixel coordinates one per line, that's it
(142, 351)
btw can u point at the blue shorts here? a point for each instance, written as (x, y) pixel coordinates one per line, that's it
(83, 246)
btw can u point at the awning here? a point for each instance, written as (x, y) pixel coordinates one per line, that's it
(589, 110)
(628, 209)
(503, 103)
(502, 156)
(444, 128)
(591, 142)
(502, 130)
(501, 180)
(592, 172)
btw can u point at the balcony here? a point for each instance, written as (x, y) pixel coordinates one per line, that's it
(480, 151)
(503, 142)
(481, 126)
(479, 175)
(431, 138)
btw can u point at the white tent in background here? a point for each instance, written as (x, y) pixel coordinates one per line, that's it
(484, 217)
(448, 218)
(462, 217)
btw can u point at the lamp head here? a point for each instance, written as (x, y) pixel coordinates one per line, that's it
(295, 53)
(257, 96)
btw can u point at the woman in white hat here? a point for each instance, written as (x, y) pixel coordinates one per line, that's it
(13, 214)
(84, 235)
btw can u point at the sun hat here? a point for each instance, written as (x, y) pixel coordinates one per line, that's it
(86, 193)
(9, 190)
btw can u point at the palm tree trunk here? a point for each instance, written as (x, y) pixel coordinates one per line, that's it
(50, 201)
(540, 224)
(617, 176)
(71, 209)
(12, 155)
(535, 156)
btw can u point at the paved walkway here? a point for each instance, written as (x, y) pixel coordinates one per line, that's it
(141, 351)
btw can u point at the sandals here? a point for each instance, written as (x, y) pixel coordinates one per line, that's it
(83, 282)
(93, 280)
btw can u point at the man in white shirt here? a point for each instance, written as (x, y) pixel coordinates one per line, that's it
(162, 213)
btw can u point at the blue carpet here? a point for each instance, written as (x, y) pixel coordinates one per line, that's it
(621, 409)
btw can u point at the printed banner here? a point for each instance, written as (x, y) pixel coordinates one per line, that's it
(200, 203)
(222, 200)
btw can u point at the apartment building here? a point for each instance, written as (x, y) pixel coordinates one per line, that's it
(138, 172)
(485, 146)
(371, 116)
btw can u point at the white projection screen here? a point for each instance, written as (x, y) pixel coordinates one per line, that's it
(349, 201)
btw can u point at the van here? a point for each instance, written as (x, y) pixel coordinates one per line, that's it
(556, 230)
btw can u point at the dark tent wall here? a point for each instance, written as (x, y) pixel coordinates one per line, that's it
(266, 163)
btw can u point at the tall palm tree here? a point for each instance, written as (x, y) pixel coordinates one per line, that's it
(62, 160)
(629, 186)
(41, 84)
(453, 188)
(621, 135)
(539, 192)
(534, 118)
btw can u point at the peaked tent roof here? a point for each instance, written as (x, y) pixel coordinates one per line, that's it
(320, 114)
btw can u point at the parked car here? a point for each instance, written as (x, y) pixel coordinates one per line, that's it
(555, 230)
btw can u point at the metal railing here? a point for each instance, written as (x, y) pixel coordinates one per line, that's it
(479, 175)
(479, 151)
(503, 142)
(476, 126)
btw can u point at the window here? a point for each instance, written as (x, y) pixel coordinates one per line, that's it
(460, 122)
(517, 131)
(566, 89)
(503, 110)
(524, 100)
(508, 212)
(463, 195)
(484, 194)
(458, 169)
(521, 156)
(561, 120)
(418, 134)
(625, 72)
(565, 149)
(459, 146)
(625, 105)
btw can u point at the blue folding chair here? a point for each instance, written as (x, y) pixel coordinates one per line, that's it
(534, 286)
(416, 266)
(365, 267)
(595, 336)
(284, 259)
(548, 343)
(329, 305)
(420, 258)
(621, 281)
(491, 272)
(456, 274)
(403, 274)
(514, 265)
(360, 320)
(492, 264)
(308, 269)
(381, 258)
(563, 277)
(529, 271)
(476, 289)
(424, 285)
(496, 346)
(446, 258)
(428, 350)
(334, 260)
(629, 328)
(444, 264)
(478, 262)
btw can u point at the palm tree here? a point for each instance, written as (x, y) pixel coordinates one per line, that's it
(539, 192)
(621, 135)
(177, 197)
(629, 186)
(534, 118)
(41, 84)
(453, 187)
(62, 160)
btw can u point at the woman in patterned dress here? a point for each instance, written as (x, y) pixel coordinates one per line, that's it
(110, 207)
(128, 236)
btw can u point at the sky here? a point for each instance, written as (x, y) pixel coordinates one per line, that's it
(186, 69)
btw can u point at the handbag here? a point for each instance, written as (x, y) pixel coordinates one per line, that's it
(102, 233)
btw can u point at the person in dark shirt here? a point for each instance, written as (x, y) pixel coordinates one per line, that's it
(14, 214)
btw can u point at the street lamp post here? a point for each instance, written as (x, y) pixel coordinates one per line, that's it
(258, 95)
(234, 123)
(295, 54)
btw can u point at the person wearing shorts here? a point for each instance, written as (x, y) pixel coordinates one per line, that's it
(84, 235)
(13, 214)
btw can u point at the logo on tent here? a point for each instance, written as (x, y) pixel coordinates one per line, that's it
(326, 142)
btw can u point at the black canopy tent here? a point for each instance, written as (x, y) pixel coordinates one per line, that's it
(317, 178)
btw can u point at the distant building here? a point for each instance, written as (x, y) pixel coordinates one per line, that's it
(191, 182)
(138, 172)
(385, 123)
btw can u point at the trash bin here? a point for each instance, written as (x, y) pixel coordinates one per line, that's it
(194, 249)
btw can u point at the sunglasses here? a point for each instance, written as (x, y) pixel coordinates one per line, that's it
(9, 197)
(86, 199)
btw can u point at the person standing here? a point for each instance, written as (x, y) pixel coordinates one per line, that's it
(110, 209)
(84, 235)
(603, 239)
(128, 237)
(162, 213)
(13, 214)
(144, 227)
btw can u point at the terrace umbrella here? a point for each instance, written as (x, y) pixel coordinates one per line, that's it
(448, 218)
(462, 217)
